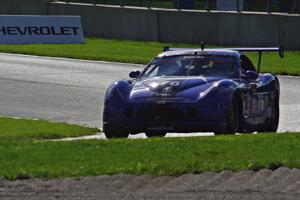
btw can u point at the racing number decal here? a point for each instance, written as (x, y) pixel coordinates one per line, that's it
(255, 104)
(262, 99)
(247, 104)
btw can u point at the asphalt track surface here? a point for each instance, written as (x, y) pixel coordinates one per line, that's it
(72, 91)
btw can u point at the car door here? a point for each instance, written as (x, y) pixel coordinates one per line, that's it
(256, 95)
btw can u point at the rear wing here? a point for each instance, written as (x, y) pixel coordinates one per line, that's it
(260, 50)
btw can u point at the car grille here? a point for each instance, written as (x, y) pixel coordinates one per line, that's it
(159, 114)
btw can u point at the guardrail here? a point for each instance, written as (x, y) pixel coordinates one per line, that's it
(269, 6)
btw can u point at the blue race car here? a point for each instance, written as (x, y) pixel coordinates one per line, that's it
(194, 90)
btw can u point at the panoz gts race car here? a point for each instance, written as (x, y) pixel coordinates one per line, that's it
(194, 90)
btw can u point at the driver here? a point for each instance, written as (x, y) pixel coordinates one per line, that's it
(199, 67)
(169, 69)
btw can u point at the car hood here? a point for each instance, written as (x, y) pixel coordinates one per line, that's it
(185, 89)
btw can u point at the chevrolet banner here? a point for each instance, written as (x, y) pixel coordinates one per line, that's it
(40, 29)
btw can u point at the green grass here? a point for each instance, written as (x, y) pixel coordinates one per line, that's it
(271, 62)
(140, 52)
(96, 49)
(18, 129)
(166, 156)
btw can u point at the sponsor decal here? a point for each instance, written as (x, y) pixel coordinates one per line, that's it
(41, 29)
(167, 90)
(163, 95)
(36, 30)
(160, 128)
(161, 102)
(175, 83)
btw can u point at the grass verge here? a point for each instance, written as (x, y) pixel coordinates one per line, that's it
(140, 52)
(165, 156)
(18, 129)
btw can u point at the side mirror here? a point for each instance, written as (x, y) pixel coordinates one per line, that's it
(134, 74)
(250, 75)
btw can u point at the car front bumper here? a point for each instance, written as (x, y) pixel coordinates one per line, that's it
(170, 127)
(174, 117)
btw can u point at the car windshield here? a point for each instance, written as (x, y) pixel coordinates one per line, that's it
(206, 66)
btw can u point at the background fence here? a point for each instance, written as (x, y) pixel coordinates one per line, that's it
(171, 25)
(288, 6)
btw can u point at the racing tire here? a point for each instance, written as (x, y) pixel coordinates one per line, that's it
(233, 118)
(155, 134)
(111, 133)
(271, 124)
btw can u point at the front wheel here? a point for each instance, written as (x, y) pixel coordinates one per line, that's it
(112, 133)
(155, 134)
(271, 124)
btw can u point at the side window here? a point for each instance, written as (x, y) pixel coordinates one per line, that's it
(246, 64)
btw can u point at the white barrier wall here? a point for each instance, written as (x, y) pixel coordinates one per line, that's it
(40, 29)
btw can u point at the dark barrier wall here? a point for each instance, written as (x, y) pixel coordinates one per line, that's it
(23, 7)
(191, 27)
(249, 29)
(219, 28)
(112, 22)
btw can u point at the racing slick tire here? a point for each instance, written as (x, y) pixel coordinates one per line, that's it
(111, 133)
(271, 124)
(233, 118)
(155, 134)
